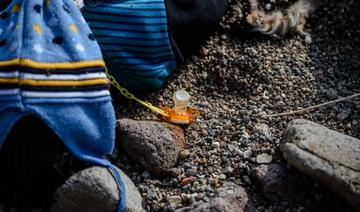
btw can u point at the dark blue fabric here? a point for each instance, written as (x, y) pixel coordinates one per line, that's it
(133, 36)
(83, 127)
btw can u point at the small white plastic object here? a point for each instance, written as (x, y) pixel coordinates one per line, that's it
(181, 99)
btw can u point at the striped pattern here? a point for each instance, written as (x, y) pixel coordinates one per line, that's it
(47, 51)
(30, 79)
(133, 36)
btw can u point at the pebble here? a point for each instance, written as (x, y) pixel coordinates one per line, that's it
(174, 201)
(222, 177)
(268, 6)
(215, 145)
(263, 158)
(184, 154)
(263, 129)
(152, 194)
(187, 180)
(228, 170)
(247, 153)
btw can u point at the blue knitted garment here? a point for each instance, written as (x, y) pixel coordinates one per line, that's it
(52, 67)
(133, 36)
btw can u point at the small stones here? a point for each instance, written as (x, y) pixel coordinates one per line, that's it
(222, 177)
(263, 129)
(268, 6)
(343, 114)
(228, 170)
(247, 153)
(174, 201)
(184, 154)
(308, 39)
(223, 36)
(231, 197)
(187, 180)
(330, 93)
(152, 194)
(215, 145)
(263, 158)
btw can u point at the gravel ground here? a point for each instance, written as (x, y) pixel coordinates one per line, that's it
(237, 76)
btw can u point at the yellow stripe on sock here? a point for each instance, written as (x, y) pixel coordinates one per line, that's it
(54, 83)
(65, 65)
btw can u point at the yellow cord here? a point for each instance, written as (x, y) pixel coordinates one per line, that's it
(131, 96)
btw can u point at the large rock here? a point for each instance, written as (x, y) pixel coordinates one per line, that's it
(231, 197)
(328, 156)
(277, 183)
(154, 145)
(94, 190)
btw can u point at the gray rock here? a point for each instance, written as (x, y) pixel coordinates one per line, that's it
(184, 154)
(328, 156)
(154, 145)
(343, 114)
(247, 153)
(93, 190)
(231, 197)
(263, 129)
(152, 194)
(276, 182)
(174, 201)
(215, 145)
(222, 176)
(263, 158)
(268, 6)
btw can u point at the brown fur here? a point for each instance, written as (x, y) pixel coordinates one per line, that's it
(281, 22)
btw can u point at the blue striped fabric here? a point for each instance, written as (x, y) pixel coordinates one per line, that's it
(133, 36)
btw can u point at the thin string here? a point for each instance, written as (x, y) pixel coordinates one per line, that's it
(131, 96)
(312, 107)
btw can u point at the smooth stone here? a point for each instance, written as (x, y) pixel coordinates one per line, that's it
(325, 155)
(263, 158)
(94, 189)
(174, 201)
(247, 153)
